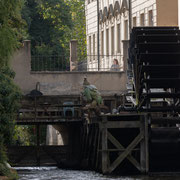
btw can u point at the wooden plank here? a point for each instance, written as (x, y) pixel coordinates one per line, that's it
(121, 150)
(104, 147)
(38, 144)
(147, 142)
(48, 118)
(95, 144)
(122, 115)
(90, 146)
(118, 145)
(121, 124)
(47, 122)
(98, 145)
(143, 148)
(124, 154)
(22, 156)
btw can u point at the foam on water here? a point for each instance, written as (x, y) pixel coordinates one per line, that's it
(53, 173)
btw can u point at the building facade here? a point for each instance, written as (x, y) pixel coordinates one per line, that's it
(114, 26)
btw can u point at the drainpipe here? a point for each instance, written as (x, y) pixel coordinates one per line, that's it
(98, 35)
(130, 17)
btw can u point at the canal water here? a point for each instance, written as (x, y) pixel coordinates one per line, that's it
(53, 173)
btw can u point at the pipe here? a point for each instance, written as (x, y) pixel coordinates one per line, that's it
(98, 35)
(130, 17)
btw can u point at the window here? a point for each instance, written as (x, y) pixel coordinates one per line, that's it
(107, 42)
(118, 38)
(90, 47)
(112, 40)
(102, 43)
(150, 18)
(142, 19)
(94, 46)
(126, 30)
(89, 1)
(134, 21)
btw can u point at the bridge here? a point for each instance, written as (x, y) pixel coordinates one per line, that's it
(48, 110)
(65, 114)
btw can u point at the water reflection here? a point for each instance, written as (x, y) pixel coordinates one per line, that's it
(53, 173)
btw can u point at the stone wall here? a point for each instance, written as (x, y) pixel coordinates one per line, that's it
(167, 13)
(62, 83)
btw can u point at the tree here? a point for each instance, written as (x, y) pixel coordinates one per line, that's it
(10, 23)
(53, 23)
(79, 26)
(49, 22)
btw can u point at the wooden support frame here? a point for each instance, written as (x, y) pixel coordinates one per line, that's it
(104, 147)
(126, 152)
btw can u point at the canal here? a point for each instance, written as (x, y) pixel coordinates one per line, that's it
(53, 173)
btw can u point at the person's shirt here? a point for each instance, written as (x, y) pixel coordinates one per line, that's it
(115, 67)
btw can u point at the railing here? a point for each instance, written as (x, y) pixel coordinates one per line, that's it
(106, 63)
(49, 63)
(62, 63)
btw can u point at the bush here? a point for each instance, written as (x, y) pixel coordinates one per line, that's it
(10, 173)
(9, 104)
(3, 157)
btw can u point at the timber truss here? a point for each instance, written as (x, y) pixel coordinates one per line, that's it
(138, 143)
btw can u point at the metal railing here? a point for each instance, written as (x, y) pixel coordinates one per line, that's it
(62, 63)
(106, 63)
(50, 63)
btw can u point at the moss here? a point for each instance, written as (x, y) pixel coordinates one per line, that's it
(11, 174)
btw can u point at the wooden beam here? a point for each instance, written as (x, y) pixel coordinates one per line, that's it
(104, 147)
(143, 149)
(38, 144)
(147, 142)
(117, 144)
(98, 145)
(121, 124)
(133, 144)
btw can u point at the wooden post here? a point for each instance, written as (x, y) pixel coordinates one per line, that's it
(147, 143)
(144, 152)
(104, 146)
(95, 146)
(35, 108)
(38, 144)
(142, 146)
(98, 145)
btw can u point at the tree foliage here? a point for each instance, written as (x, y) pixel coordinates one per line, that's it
(52, 24)
(9, 95)
(48, 23)
(10, 23)
(10, 34)
(79, 26)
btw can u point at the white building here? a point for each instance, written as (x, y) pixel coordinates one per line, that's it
(114, 26)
